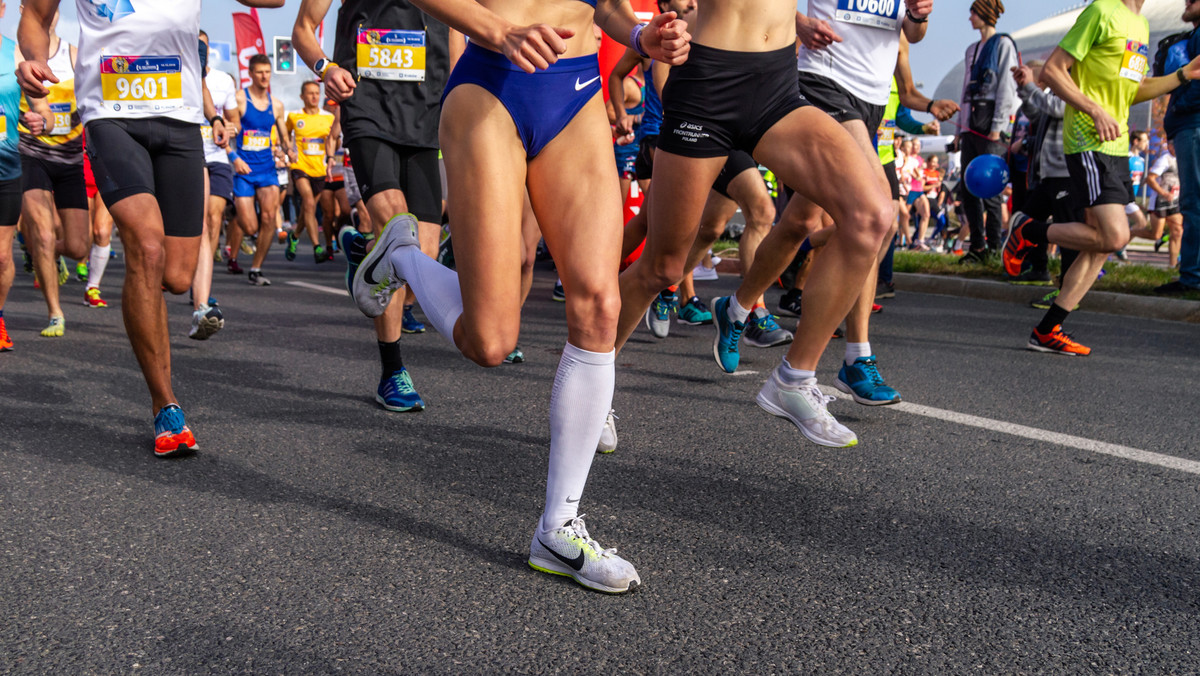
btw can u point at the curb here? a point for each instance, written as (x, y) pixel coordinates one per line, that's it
(1107, 302)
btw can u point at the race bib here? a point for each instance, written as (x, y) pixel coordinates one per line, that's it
(883, 14)
(62, 119)
(314, 146)
(1133, 63)
(887, 133)
(253, 140)
(142, 84)
(391, 55)
(3, 124)
(206, 133)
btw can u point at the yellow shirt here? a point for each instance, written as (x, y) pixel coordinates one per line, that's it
(310, 132)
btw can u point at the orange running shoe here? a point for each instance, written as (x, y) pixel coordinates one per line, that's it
(5, 342)
(1017, 247)
(91, 298)
(1057, 342)
(171, 434)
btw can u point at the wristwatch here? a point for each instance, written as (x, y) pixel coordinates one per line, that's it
(321, 66)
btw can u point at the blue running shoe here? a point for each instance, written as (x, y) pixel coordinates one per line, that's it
(396, 393)
(862, 381)
(355, 246)
(658, 315)
(171, 434)
(694, 313)
(729, 332)
(409, 323)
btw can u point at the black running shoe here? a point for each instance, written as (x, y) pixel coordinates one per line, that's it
(789, 303)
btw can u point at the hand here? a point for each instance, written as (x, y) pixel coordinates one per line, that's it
(240, 166)
(1107, 128)
(220, 134)
(624, 125)
(816, 34)
(31, 75)
(919, 8)
(943, 109)
(994, 136)
(290, 156)
(1190, 71)
(36, 124)
(329, 165)
(666, 39)
(339, 83)
(535, 47)
(932, 128)
(1022, 74)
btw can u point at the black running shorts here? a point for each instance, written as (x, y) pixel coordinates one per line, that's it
(381, 165)
(719, 101)
(1098, 179)
(159, 156)
(10, 202)
(220, 180)
(317, 183)
(889, 170)
(64, 180)
(643, 166)
(1050, 201)
(737, 162)
(843, 106)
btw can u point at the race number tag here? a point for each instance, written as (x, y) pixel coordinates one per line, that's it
(391, 55)
(142, 84)
(314, 146)
(887, 133)
(883, 14)
(3, 124)
(206, 133)
(62, 118)
(1133, 64)
(339, 165)
(254, 139)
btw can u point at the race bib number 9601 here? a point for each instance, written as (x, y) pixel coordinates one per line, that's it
(142, 84)
(883, 14)
(1135, 60)
(391, 55)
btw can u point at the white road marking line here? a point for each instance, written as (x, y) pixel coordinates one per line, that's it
(744, 373)
(318, 287)
(1081, 443)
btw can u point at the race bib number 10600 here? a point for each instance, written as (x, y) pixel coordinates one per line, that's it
(142, 84)
(883, 14)
(391, 55)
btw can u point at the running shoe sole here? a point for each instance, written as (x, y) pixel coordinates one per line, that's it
(1038, 347)
(557, 568)
(207, 328)
(398, 409)
(845, 387)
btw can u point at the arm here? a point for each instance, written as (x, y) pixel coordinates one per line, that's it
(267, 4)
(1152, 181)
(458, 45)
(1041, 102)
(220, 134)
(665, 38)
(285, 138)
(1057, 74)
(1006, 90)
(1154, 87)
(814, 33)
(942, 109)
(33, 35)
(530, 47)
(616, 83)
(661, 72)
(339, 83)
(906, 122)
(921, 9)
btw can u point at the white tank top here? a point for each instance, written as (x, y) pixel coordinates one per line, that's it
(139, 59)
(60, 63)
(863, 62)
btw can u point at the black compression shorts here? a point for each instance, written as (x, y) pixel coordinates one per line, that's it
(719, 100)
(10, 202)
(64, 180)
(643, 166)
(317, 182)
(159, 156)
(889, 170)
(843, 106)
(381, 165)
(737, 162)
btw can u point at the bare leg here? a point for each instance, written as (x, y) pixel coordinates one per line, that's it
(202, 280)
(268, 205)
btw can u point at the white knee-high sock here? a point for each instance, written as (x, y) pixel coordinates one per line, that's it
(435, 285)
(579, 405)
(97, 262)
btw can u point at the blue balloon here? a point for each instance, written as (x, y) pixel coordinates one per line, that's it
(986, 176)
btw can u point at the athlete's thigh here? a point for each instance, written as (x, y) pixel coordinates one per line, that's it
(680, 188)
(531, 232)
(575, 196)
(304, 190)
(485, 173)
(37, 208)
(748, 189)
(268, 199)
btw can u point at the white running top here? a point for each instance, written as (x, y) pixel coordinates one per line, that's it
(224, 96)
(863, 62)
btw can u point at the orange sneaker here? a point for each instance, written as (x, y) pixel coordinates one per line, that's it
(1017, 247)
(1057, 342)
(91, 298)
(5, 342)
(171, 434)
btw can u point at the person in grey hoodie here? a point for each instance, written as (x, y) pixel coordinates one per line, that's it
(989, 100)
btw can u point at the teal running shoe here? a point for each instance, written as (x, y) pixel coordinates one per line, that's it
(763, 331)
(396, 393)
(409, 323)
(289, 252)
(515, 357)
(862, 381)
(729, 332)
(694, 313)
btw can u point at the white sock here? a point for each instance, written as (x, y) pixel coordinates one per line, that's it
(97, 262)
(856, 350)
(735, 311)
(579, 405)
(791, 376)
(435, 285)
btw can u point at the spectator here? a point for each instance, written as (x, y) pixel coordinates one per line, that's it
(1182, 124)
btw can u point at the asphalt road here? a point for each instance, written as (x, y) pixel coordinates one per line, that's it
(316, 533)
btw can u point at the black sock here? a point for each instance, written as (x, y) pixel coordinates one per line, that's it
(1035, 231)
(1055, 316)
(389, 356)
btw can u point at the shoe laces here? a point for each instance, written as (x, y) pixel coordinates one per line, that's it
(820, 403)
(578, 529)
(402, 383)
(169, 419)
(766, 323)
(872, 370)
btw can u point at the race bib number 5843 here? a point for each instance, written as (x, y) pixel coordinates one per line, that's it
(883, 14)
(391, 55)
(141, 84)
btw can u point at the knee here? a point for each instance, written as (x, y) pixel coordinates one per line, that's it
(874, 221)
(489, 350)
(177, 282)
(664, 271)
(1111, 242)
(149, 256)
(760, 212)
(595, 311)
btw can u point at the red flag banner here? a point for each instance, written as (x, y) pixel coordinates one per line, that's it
(249, 42)
(611, 50)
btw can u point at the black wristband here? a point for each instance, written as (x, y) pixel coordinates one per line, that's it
(914, 19)
(1179, 74)
(213, 120)
(929, 108)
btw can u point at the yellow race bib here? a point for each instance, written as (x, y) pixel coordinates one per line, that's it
(391, 55)
(1135, 60)
(314, 146)
(253, 140)
(142, 84)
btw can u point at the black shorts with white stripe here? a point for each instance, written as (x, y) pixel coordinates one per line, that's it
(1098, 179)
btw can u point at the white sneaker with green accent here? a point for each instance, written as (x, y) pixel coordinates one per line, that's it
(570, 551)
(376, 279)
(804, 405)
(608, 435)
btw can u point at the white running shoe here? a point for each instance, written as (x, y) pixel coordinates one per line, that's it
(703, 274)
(608, 435)
(206, 321)
(376, 280)
(804, 405)
(570, 551)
